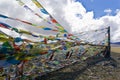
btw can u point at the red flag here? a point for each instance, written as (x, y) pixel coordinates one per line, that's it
(45, 40)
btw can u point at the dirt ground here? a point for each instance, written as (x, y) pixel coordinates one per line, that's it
(115, 49)
(92, 69)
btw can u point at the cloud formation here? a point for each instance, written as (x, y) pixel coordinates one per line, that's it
(108, 11)
(72, 15)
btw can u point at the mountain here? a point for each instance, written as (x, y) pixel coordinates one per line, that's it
(115, 44)
(118, 43)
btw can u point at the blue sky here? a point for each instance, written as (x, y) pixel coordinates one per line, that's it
(98, 6)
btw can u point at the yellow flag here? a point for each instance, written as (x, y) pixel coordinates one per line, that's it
(40, 27)
(37, 3)
(25, 32)
(3, 39)
(20, 2)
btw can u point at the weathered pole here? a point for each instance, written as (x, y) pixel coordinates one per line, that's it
(107, 55)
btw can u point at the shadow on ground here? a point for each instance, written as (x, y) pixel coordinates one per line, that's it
(81, 70)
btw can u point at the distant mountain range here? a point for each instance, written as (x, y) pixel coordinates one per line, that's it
(115, 44)
(118, 43)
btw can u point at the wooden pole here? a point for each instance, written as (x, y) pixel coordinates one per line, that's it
(107, 55)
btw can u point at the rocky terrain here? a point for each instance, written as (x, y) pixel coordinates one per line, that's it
(96, 68)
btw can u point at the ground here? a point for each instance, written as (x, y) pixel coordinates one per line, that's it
(95, 69)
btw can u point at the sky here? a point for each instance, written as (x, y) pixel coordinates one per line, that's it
(75, 15)
(101, 7)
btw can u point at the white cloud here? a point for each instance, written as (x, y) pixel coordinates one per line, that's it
(108, 11)
(72, 15)
(117, 11)
(89, 23)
